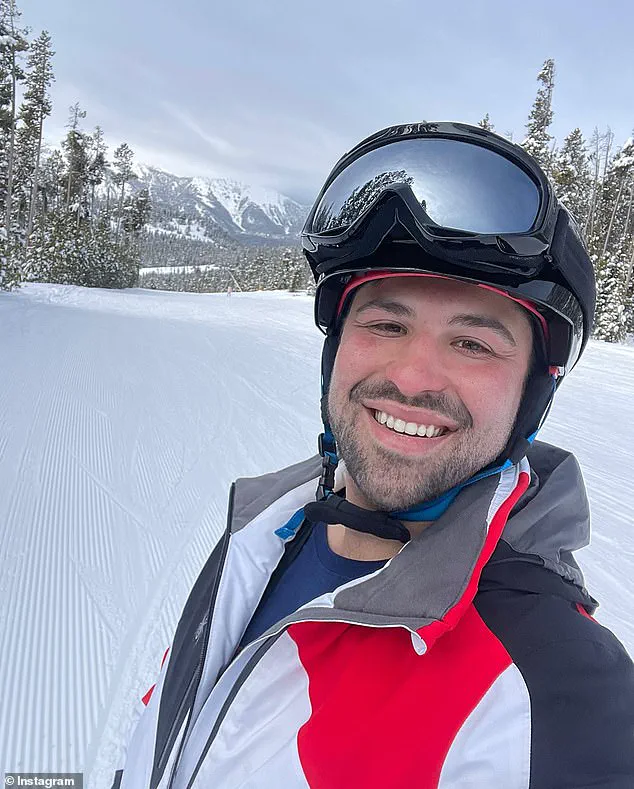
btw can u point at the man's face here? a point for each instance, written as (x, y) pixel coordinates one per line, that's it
(425, 352)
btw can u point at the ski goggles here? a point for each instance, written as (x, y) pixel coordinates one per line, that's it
(464, 190)
(459, 201)
(459, 186)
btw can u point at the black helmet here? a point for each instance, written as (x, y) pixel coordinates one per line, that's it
(461, 202)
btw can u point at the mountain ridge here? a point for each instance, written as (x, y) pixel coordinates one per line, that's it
(212, 209)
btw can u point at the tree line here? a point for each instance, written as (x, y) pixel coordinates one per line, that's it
(239, 267)
(594, 179)
(65, 214)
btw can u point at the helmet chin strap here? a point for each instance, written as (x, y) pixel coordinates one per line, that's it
(333, 508)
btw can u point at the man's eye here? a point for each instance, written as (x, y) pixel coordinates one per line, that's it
(387, 328)
(471, 346)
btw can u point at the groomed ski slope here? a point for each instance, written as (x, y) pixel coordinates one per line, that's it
(124, 416)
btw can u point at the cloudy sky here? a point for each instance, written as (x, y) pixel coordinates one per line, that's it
(274, 91)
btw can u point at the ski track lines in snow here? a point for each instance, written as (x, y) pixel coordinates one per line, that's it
(120, 435)
(124, 416)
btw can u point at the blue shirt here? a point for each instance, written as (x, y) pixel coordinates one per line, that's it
(315, 570)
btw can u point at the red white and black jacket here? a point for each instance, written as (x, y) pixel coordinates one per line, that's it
(470, 659)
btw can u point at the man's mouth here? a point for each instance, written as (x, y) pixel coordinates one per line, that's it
(409, 428)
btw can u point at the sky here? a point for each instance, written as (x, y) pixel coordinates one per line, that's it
(274, 92)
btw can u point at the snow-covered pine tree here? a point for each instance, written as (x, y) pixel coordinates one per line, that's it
(13, 44)
(571, 176)
(626, 158)
(56, 251)
(136, 213)
(52, 182)
(97, 166)
(611, 319)
(620, 179)
(538, 141)
(137, 209)
(75, 150)
(612, 211)
(123, 172)
(36, 106)
(611, 245)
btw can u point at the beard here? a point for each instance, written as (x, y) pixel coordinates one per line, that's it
(389, 481)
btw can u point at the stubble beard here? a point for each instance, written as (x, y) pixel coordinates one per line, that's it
(392, 482)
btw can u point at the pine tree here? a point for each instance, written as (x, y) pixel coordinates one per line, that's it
(36, 106)
(137, 211)
(76, 154)
(485, 123)
(611, 319)
(13, 44)
(571, 176)
(97, 166)
(52, 182)
(123, 172)
(538, 140)
(611, 245)
(613, 213)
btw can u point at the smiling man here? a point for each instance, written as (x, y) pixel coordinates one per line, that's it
(419, 364)
(405, 610)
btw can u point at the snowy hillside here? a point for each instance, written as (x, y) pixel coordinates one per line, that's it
(215, 206)
(123, 418)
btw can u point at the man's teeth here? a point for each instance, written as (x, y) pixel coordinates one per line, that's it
(411, 428)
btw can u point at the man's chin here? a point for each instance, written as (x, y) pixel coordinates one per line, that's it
(406, 483)
(398, 496)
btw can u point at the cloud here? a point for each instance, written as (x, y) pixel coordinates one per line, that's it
(218, 145)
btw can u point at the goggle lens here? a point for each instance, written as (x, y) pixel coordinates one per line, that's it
(459, 185)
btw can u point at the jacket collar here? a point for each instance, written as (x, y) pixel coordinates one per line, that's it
(429, 584)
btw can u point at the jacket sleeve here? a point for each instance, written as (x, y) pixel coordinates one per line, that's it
(140, 719)
(582, 706)
(144, 755)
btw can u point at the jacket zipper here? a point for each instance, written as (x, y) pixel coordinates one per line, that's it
(245, 673)
(199, 668)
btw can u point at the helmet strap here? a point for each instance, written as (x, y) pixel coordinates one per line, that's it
(535, 405)
(329, 461)
(336, 509)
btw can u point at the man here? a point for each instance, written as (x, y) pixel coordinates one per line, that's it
(423, 622)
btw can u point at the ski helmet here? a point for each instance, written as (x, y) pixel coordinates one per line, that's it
(457, 201)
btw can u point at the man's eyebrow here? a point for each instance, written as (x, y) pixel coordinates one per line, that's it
(393, 307)
(484, 322)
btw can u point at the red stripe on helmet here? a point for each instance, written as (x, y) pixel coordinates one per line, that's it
(355, 282)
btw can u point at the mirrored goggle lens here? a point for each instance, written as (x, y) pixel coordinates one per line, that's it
(459, 185)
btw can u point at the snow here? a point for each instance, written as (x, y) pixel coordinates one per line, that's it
(181, 230)
(235, 196)
(124, 416)
(176, 269)
(625, 157)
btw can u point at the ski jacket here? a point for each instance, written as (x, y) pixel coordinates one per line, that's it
(470, 660)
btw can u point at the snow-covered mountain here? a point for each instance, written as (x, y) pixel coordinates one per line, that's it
(205, 208)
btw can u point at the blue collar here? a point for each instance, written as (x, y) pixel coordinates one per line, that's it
(432, 510)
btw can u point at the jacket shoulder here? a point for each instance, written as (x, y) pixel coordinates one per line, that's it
(255, 494)
(580, 680)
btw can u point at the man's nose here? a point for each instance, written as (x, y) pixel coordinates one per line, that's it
(418, 366)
